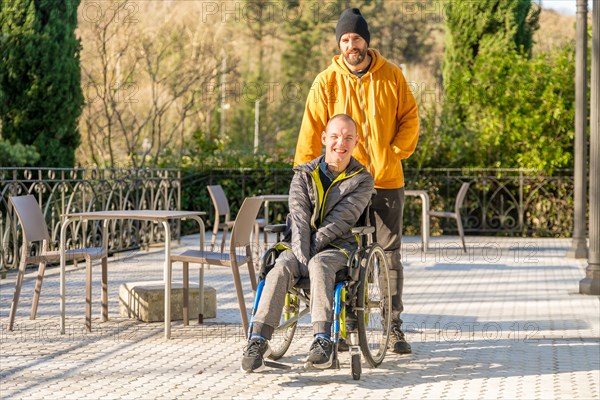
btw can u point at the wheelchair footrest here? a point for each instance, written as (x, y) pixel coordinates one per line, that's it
(274, 364)
(335, 364)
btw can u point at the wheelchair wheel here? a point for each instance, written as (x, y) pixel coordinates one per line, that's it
(284, 333)
(374, 305)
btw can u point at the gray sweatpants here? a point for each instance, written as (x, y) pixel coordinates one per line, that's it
(284, 275)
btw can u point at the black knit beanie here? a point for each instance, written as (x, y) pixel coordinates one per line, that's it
(351, 20)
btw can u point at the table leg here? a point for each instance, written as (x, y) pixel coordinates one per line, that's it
(201, 295)
(63, 232)
(201, 278)
(104, 276)
(167, 277)
(425, 222)
(424, 214)
(266, 211)
(422, 194)
(256, 252)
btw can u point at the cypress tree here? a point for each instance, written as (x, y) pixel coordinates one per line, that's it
(40, 91)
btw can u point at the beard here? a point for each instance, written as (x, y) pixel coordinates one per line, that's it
(355, 59)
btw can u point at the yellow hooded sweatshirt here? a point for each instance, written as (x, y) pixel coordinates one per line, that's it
(383, 108)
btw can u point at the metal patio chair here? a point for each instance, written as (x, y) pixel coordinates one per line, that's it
(222, 213)
(240, 238)
(35, 229)
(460, 198)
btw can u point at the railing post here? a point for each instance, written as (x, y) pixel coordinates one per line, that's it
(591, 283)
(579, 244)
(521, 204)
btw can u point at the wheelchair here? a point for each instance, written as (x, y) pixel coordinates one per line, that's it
(362, 300)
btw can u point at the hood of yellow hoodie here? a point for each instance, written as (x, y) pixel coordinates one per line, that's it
(338, 64)
(384, 162)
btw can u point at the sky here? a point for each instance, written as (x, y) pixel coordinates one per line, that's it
(567, 7)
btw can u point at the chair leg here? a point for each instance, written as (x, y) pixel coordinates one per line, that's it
(88, 296)
(104, 289)
(213, 239)
(186, 293)
(224, 238)
(251, 271)
(38, 290)
(15, 302)
(461, 232)
(240, 295)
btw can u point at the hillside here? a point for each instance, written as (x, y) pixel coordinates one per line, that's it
(555, 30)
(145, 60)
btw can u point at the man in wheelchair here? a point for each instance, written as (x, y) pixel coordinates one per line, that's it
(327, 197)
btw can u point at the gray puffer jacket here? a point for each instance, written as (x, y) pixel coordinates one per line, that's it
(323, 219)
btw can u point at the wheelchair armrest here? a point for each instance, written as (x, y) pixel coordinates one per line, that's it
(278, 228)
(363, 230)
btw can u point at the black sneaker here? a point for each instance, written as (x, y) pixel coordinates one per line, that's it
(320, 353)
(254, 354)
(398, 343)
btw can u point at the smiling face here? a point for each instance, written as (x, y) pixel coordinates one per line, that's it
(340, 139)
(354, 50)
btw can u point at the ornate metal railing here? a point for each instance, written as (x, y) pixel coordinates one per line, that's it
(59, 191)
(499, 202)
(508, 202)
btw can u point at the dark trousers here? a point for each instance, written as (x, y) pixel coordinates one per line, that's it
(387, 208)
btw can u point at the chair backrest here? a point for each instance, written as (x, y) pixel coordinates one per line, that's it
(219, 200)
(244, 222)
(31, 218)
(460, 197)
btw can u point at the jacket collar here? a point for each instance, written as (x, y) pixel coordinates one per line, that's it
(353, 166)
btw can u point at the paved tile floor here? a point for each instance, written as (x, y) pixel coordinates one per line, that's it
(503, 321)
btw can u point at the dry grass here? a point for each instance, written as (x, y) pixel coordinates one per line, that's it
(555, 30)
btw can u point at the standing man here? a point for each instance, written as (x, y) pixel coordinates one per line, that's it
(361, 83)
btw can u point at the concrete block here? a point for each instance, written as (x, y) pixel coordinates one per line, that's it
(146, 301)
